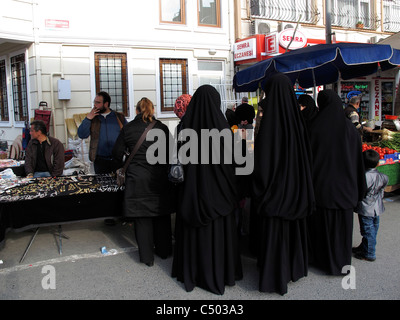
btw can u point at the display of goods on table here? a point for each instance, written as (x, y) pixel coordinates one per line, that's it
(393, 172)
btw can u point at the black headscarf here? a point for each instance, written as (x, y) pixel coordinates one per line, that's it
(338, 167)
(311, 109)
(282, 183)
(209, 190)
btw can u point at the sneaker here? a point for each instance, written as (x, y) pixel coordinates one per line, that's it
(362, 257)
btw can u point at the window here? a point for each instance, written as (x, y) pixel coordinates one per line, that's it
(3, 92)
(346, 13)
(112, 76)
(19, 88)
(172, 11)
(173, 81)
(209, 13)
(285, 10)
(391, 16)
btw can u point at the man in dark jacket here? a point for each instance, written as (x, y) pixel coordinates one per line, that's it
(44, 155)
(103, 126)
(351, 111)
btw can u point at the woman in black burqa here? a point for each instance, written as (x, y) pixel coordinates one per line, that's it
(283, 193)
(339, 183)
(308, 108)
(206, 250)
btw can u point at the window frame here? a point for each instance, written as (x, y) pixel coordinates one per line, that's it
(98, 54)
(4, 108)
(184, 62)
(218, 15)
(19, 123)
(183, 14)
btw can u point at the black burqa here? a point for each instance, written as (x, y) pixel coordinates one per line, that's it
(311, 110)
(339, 183)
(283, 194)
(206, 248)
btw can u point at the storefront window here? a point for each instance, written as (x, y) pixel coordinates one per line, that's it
(387, 98)
(19, 88)
(364, 86)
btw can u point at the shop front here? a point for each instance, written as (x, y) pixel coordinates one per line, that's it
(378, 95)
(378, 90)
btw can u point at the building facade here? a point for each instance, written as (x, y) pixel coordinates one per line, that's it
(60, 53)
(271, 27)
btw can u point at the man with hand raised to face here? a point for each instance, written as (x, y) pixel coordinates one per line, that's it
(103, 125)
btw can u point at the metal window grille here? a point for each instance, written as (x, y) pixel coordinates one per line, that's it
(347, 13)
(173, 81)
(112, 77)
(3, 92)
(19, 88)
(304, 11)
(391, 16)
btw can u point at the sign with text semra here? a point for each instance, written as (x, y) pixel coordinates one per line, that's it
(246, 49)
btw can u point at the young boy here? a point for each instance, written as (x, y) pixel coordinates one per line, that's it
(370, 207)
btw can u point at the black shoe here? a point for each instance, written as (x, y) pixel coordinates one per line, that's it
(362, 257)
(150, 264)
(110, 222)
(356, 249)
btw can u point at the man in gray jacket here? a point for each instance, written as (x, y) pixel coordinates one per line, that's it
(370, 208)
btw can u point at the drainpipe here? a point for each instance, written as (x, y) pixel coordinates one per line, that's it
(328, 30)
(53, 109)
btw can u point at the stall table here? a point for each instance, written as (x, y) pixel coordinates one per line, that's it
(56, 201)
(393, 172)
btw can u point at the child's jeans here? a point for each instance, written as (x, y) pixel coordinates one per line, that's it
(369, 229)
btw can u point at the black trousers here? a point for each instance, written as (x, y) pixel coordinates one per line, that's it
(153, 235)
(103, 166)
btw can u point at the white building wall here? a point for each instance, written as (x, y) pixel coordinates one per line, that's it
(133, 27)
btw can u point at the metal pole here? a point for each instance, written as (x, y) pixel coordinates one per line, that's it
(328, 30)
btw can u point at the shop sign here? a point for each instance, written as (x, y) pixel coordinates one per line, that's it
(376, 99)
(271, 44)
(286, 36)
(57, 24)
(245, 50)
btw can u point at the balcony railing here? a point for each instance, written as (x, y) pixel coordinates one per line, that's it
(285, 10)
(344, 13)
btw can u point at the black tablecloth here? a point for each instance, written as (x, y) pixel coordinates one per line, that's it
(52, 201)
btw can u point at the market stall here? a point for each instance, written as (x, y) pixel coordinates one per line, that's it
(387, 144)
(31, 203)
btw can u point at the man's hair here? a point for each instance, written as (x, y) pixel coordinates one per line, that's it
(106, 97)
(39, 125)
(245, 99)
(355, 100)
(371, 158)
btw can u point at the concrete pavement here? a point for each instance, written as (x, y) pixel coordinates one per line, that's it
(82, 272)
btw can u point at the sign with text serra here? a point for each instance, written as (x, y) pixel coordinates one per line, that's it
(245, 49)
(298, 40)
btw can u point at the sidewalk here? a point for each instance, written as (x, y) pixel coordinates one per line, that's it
(82, 272)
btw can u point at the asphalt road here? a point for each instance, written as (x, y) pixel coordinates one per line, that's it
(83, 272)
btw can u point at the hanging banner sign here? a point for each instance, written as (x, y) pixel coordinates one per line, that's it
(299, 40)
(246, 49)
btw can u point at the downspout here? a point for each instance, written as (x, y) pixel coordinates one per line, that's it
(53, 109)
(37, 52)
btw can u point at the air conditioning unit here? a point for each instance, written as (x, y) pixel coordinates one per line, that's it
(260, 27)
(286, 25)
(374, 39)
